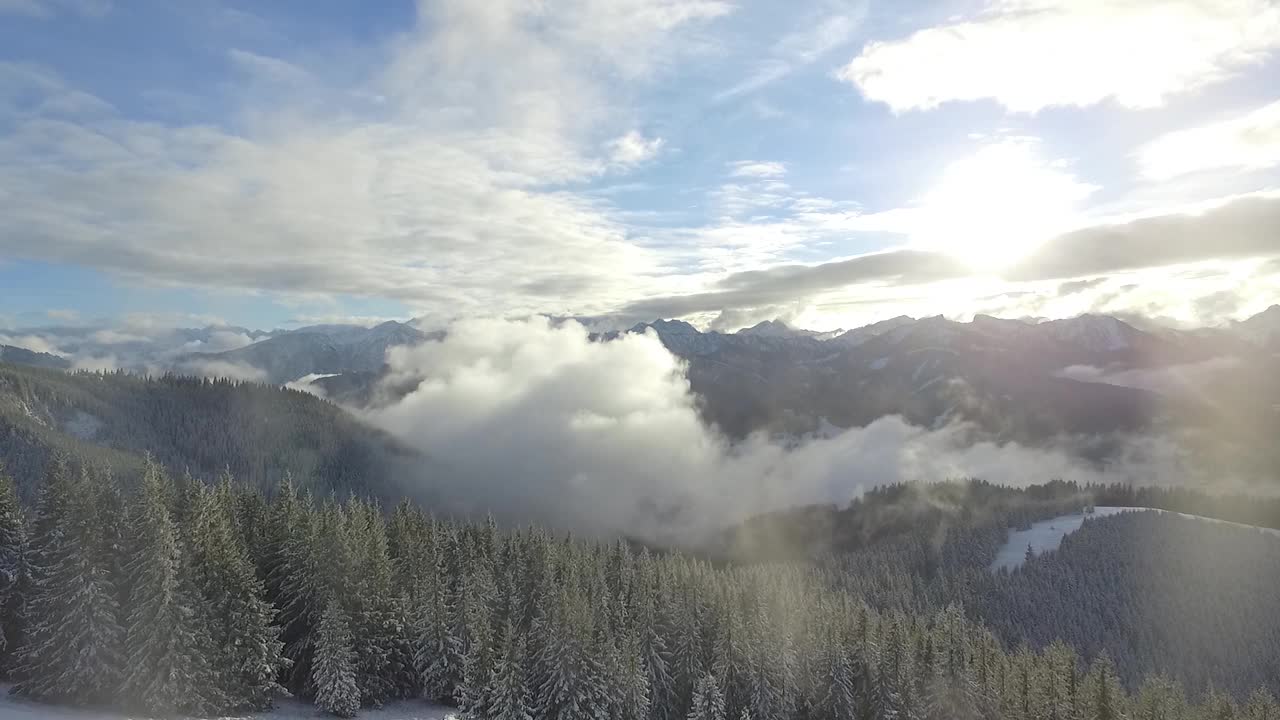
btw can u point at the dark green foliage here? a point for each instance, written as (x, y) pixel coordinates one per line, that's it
(14, 577)
(73, 640)
(366, 607)
(255, 432)
(166, 640)
(244, 645)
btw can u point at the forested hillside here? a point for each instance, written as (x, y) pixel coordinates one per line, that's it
(1199, 601)
(174, 596)
(1193, 599)
(202, 426)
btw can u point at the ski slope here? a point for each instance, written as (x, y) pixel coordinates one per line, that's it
(12, 708)
(1046, 535)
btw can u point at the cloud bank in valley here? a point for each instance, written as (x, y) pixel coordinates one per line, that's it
(534, 420)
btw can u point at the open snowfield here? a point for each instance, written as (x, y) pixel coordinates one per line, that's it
(1047, 535)
(12, 708)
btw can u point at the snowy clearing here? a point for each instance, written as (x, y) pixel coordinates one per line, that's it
(1046, 535)
(12, 708)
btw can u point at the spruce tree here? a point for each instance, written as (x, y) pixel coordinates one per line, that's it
(246, 651)
(438, 657)
(333, 671)
(72, 649)
(14, 583)
(299, 584)
(708, 702)
(166, 639)
(506, 696)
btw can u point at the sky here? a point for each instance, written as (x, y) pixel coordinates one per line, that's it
(826, 163)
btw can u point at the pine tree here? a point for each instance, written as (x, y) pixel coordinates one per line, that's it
(438, 658)
(246, 649)
(14, 583)
(1261, 706)
(633, 677)
(1103, 694)
(166, 640)
(708, 702)
(840, 691)
(474, 628)
(333, 672)
(380, 668)
(506, 696)
(297, 584)
(72, 650)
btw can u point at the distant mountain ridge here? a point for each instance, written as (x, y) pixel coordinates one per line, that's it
(1024, 380)
(314, 350)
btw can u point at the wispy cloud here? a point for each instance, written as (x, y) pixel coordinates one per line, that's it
(818, 35)
(1247, 142)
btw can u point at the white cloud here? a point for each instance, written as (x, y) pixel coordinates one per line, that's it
(455, 182)
(115, 337)
(32, 342)
(1247, 142)
(607, 437)
(223, 369)
(633, 148)
(1168, 379)
(1032, 54)
(62, 315)
(96, 363)
(218, 341)
(757, 169)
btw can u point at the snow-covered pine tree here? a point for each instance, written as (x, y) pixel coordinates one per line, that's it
(766, 682)
(708, 702)
(473, 618)
(438, 657)
(840, 685)
(246, 651)
(506, 697)
(13, 572)
(633, 678)
(72, 649)
(166, 642)
(1103, 695)
(1261, 706)
(569, 678)
(333, 670)
(649, 621)
(296, 577)
(379, 669)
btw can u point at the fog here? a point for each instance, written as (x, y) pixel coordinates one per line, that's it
(533, 421)
(1167, 379)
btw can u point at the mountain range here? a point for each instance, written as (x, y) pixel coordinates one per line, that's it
(1086, 378)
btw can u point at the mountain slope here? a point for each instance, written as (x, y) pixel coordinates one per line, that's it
(257, 432)
(317, 350)
(23, 356)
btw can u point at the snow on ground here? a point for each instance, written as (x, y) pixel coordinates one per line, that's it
(1046, 535)
(12, 708)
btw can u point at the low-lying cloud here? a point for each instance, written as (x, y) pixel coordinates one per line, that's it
(223, 369)
(1166, 379)
(532, 420)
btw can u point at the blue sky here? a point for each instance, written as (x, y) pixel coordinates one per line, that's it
(827, 163)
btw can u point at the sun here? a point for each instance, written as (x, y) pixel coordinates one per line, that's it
(994, 207)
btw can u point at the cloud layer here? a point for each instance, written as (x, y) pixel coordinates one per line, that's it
(537, 421)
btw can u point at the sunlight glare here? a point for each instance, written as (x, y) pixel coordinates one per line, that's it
(997, 205)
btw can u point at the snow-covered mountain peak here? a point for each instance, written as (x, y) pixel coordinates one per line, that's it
(1099, 333)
